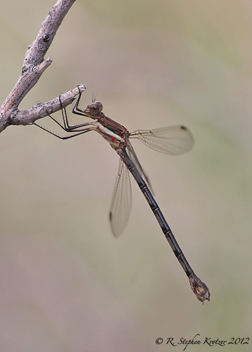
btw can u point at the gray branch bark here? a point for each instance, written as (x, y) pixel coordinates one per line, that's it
(33, 67)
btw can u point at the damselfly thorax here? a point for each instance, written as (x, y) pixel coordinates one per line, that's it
(114, 133)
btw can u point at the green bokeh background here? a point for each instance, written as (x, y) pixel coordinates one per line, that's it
(65, 283)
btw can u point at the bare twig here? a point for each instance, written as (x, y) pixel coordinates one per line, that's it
(33, 67)
(40, 110)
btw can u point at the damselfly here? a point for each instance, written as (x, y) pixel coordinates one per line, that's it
(169, 140)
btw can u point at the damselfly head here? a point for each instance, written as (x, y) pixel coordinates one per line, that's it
(93, 110)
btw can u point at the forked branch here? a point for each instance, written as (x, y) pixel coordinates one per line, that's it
(33, 67)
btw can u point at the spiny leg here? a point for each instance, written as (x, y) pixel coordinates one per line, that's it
(64, 137)
(67, 127)
(64, 116)
(76, 110)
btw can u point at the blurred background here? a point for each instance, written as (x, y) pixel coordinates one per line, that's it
(66, 284)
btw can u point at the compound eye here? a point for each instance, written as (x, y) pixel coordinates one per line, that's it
(96, 108)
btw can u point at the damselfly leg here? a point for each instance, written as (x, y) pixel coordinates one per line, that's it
(76, 129)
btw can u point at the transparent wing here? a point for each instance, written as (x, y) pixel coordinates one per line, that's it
(136, 162)
(121, 201)
(171, 140)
